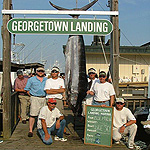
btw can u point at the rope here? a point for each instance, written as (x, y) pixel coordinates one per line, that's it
(131, 60)
(105, 57)
(103, 51)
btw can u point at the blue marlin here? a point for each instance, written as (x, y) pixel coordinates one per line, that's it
(75, 67)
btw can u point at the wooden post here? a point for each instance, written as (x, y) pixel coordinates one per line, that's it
(6, 36)
(114, 50)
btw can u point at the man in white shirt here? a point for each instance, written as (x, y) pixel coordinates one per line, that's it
(51, 119)
(55, 87)
(103, 92)
(91, 81)
(123, 123)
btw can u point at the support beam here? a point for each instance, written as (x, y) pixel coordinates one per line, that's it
(6, 36)
(114, 50)
(57, 12)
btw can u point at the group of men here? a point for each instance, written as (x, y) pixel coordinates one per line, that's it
(43, 95)
(44, 91)
(102, 93)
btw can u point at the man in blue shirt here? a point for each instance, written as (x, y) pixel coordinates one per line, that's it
(35, 89)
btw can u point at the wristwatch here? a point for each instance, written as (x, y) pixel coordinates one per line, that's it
(124, 125)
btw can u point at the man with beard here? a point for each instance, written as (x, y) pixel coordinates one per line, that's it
(35, 89)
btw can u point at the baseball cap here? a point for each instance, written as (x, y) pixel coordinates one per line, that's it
(62, 74)
(19, 72)
(51, 100)
(40, 68)
(55, 68)
(120, 99)
(91, 70)
(102, 73)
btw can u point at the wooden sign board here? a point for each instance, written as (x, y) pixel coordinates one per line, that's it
(60, 26)
(98, 125)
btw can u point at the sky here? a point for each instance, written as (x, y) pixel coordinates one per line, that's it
(134, 23)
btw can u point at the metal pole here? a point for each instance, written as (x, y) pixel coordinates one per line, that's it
(114, 50)
(6, 73)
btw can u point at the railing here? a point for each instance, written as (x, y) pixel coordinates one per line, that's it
(135, 95)
(14, 113)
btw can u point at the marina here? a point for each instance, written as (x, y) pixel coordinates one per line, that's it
(123, 74)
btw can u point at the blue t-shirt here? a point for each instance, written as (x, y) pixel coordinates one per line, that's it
(35, 86)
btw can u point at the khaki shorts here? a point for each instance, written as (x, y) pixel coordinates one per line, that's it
(36, 104)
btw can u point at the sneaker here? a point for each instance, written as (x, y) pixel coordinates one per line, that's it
(1, 141)
(131, 146)
(63, 139)
(145, 122)
(56, 138)
(117, 142)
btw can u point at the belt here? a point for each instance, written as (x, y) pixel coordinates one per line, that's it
(41, 96)
(38, 96)
(100, 101)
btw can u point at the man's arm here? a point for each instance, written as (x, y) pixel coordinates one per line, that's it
(122, 128)
(58, 122)
(20, 90)
(28, 85)
(112, 99)
(17, 88)
(27, 88)
(47, 135)
(90, 92)
(55, 91)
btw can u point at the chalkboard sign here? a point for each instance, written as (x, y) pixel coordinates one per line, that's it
(98, 125)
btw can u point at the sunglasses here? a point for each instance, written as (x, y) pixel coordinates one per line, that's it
(102, 76)
(53, 103)
(119, 103)
(40, 71)
(54, 71)
(91, 73)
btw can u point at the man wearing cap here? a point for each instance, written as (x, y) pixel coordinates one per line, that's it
(35, 89)
(55, 87)
(19, 85)
(103, 92)
(51, 119)
(123, 123)
(91, 81)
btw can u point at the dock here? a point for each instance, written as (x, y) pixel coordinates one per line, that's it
(20, 140)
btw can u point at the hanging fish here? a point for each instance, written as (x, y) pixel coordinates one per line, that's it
(75, 68)
(75, 72)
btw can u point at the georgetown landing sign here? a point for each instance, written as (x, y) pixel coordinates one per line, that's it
(60, 26)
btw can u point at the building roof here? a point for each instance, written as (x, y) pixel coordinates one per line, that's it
(15, 67)
(123, 49)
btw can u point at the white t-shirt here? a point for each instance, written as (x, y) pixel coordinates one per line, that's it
(103, 91)
(122, 117)
(48, 116)
(93, 82)
(54, 84)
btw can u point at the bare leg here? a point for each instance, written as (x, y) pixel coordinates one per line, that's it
(31, 123)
